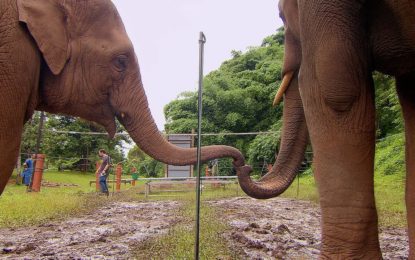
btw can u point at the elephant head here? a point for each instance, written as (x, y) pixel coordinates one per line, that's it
(91, 71)
(294, 138)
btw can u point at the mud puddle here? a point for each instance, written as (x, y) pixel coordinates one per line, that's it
(111, 232)
(287, 229)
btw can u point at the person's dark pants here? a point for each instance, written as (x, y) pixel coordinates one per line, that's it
(103, 184)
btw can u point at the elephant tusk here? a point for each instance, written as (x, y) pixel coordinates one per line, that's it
(284, 86)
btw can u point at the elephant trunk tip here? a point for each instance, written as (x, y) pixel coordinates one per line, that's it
(254, 189)
(238, 162)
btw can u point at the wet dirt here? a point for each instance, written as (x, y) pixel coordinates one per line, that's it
(259, 229)
(287, 229)
(110, 232)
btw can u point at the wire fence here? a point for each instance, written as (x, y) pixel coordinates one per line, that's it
(166, 134)
(224, 165)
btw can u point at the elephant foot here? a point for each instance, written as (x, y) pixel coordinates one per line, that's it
(350, 237)
(367, 255)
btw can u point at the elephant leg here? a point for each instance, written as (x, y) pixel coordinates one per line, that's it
(337, 92)
(406, 92)
(12, 116)
(9, 145)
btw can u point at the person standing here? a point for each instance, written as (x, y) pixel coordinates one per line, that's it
(103, 171)
(28, 170)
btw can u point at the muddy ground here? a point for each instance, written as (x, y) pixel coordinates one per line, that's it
(287, 229)
(111, 232)
(260, 229)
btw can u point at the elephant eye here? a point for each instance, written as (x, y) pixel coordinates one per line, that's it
(120, 63)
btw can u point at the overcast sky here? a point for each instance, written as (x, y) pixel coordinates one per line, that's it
(165, 36)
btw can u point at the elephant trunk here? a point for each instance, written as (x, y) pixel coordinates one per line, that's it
(135, 115)
(294, 140)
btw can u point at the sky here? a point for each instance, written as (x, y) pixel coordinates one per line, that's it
(165, 35)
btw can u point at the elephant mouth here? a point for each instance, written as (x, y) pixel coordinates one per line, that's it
(110, 127)
(283, 87)
(124, 119)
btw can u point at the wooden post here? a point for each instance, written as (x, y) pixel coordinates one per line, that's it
(118, 177)
(133, 175)
(38, 173)
(97, 186)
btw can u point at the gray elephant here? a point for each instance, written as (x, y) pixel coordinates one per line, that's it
(74, 57)
(331, 49)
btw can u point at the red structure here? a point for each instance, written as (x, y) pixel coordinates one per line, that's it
(118, 174)
(134, 175)
(38, 173)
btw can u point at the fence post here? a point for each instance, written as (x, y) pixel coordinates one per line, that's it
(134, 175)
(38, 173)
(97, 186)
(118, 177)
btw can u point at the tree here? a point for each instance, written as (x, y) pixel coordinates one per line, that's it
(264, 147)
(237, 98)
(151, 168)
(388, 110)
(73, 150)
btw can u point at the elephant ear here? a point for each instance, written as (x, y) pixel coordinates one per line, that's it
(46, 21)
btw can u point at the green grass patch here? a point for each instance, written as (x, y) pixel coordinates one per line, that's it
(389, 194)
(390, 156)
(390, 181)
(303, 188)
(21, 208)
(179, 242)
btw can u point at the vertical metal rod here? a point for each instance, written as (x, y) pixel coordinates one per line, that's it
(298, 184)
(202, 41)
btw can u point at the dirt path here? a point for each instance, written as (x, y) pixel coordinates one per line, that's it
(287, 229)
(110, 232)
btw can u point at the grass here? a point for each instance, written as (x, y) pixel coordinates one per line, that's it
(390, 181)
(21, 208)
(389, 194)
(179, 242)
(390, 156)
(303, 188)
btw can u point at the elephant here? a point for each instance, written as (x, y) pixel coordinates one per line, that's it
(74, 58)
(331, 49)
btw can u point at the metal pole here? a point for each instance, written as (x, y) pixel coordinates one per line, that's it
(298, 184)
(38, 142)
(202, 41)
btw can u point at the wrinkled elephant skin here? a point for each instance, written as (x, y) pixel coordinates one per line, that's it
(75, 58)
